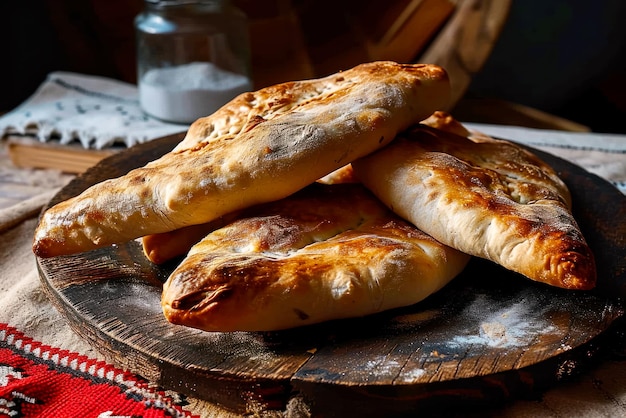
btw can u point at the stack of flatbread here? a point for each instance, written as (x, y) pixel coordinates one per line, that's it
(329, 198)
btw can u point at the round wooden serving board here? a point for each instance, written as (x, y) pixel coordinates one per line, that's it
(489, 335)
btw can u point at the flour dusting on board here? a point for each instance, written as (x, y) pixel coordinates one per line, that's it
(505, 327)
(411, 375)
(386, 366)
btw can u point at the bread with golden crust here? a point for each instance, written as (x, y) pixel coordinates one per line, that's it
(327, 252)
(295, 133)
(486, 197)
(163, 247)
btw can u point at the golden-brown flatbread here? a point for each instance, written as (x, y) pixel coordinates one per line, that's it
(160, 248)
(163, 247)
(299, 132)
(486, 197)
(324, 253)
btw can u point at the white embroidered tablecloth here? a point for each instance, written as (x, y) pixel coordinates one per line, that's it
(95, 111)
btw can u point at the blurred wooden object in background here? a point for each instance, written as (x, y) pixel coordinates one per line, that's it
(278, 50)
(503, 112)
(301, 39)
(465, 42)
(402, 31)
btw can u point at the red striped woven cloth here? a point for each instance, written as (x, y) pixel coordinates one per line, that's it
(37, 380)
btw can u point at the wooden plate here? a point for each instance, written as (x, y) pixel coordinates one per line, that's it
(489, 335)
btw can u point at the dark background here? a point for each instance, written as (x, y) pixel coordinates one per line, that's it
(565, 57)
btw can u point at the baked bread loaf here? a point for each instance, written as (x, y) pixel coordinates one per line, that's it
(324, 253)
(160, 248)
(297, 133)
(488, 198)
(163, 247)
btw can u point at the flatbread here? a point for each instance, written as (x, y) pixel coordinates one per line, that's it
(327, 252)
(298, 132)
(486, 197)
(163, 247)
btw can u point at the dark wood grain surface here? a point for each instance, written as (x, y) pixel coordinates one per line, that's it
(488, 336)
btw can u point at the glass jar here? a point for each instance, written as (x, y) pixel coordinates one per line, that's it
(192, 57)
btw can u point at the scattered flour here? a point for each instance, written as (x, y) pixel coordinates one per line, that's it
(513, 326)
(385, 366)
(412, 375)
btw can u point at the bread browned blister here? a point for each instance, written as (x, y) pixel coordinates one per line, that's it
(163, 247)
(296, 133)
(327, 252)
(486, 197)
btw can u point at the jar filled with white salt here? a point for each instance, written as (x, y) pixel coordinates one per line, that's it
(192, 57)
